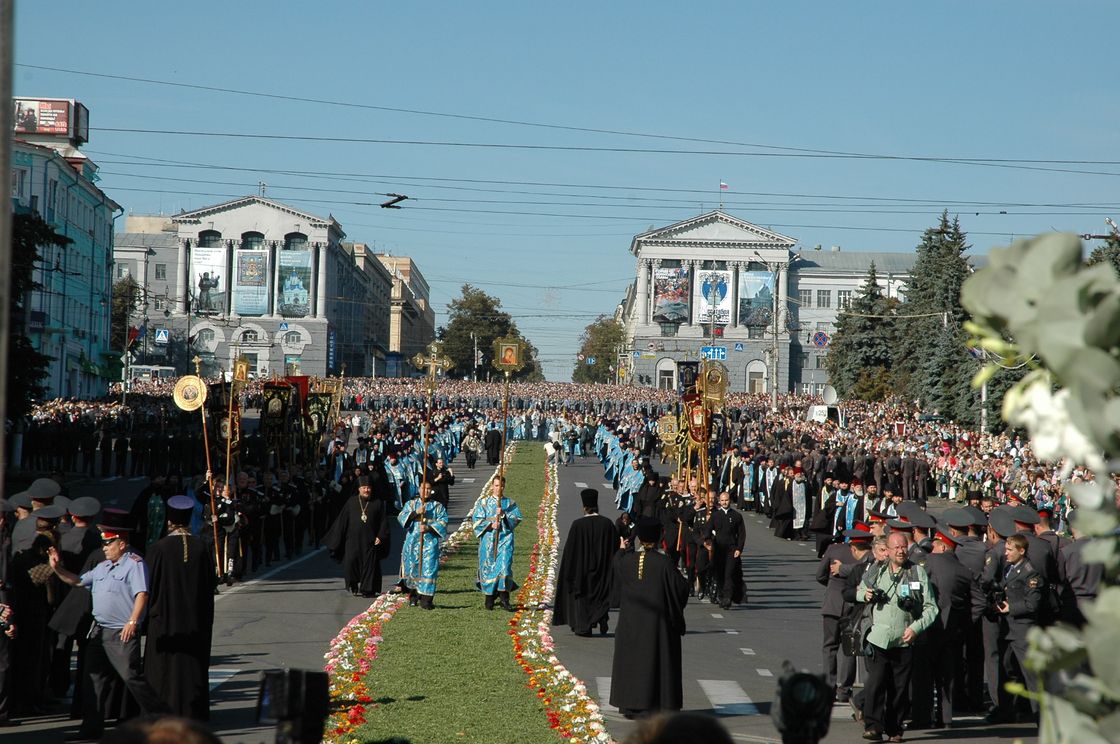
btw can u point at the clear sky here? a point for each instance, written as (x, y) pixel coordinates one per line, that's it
(780, 84)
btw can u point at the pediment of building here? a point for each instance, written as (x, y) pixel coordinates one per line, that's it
(715, 228)
(249, 205)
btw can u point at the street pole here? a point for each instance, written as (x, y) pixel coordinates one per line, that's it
(774, 348)
(474, 360)
(984, 407)
(6, 60)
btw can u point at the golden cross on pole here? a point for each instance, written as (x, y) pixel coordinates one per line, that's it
(433, 363)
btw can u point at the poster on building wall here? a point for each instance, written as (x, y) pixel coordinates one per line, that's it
(670, 295)
(208, 276)
(756, 298)
(713, 296)
(294, 292)
(250, 282)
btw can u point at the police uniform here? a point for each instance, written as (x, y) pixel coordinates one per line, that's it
(1024, 587)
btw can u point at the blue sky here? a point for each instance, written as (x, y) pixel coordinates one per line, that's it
(958, 80)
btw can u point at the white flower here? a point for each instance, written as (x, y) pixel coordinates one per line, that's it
(1046, 416)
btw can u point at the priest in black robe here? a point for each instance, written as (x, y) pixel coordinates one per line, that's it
(359, 538)
(646, 672)
(492, 441)
(583, 585)
(180, 614)
(784, 512)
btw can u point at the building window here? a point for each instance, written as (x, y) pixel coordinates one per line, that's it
(252, 241)
(843, 298)
(122, 271)
(293, 337)
(19, 183)
(249, 336)
(669, 329)
(209, 239)
(805, 298)
(820, 361)
(670, 263)
(713, 266)
(756, 331)
(161, 272)
(158, 303)
(204, 337)
(295, 242)
(806, 388)
(806, 360)
(824, 298)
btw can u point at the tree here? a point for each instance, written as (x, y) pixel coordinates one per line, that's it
(1107, 253)
(27, 368)
(601, 340)
(932, 304)
(476, 312)
(126, 293)
(859, 354)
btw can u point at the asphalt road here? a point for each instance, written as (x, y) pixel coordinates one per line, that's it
(733, 658)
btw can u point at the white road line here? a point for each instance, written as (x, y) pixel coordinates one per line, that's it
(764, 673)
(730, 631)
(219, 677)
(717, 616)
(747, 651)
(801, 545)
(608, 486)
(603, 689)
(727, 698)
(580, 484)
(467, 480)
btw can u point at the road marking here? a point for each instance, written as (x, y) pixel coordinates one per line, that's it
(801, 545)
(137, 478)
(608, 486)
(729, 631)
(467, 480)
(226, 591)
(747, 651)
(764, 673)
(603, 688)
(580, 484)
(727, 698)
(717, 616)
(219, 677)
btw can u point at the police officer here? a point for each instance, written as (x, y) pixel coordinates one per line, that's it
(1023, 588)
(119, 586)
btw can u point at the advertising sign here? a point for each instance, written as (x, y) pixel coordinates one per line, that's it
(713, 295)
(208, 276)
(33, 116)
(670, 295)
(294, 292)
(250, 282)
(756, 298)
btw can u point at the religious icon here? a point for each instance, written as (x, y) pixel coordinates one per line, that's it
(509, 353)
(275, 406)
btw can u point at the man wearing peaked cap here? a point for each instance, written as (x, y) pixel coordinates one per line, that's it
(119, 586)
(83, 538)
(1042, 554)
(583, 582)
(181, 614)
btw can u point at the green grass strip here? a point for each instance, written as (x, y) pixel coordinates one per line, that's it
(449, 675)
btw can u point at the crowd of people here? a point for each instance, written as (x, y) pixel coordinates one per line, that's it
(859, 489)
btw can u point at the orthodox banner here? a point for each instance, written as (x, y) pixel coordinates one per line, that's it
(756, 298)
(670, 295)
(250, 282)
(713, 296)
(208, 277)
(294, 293)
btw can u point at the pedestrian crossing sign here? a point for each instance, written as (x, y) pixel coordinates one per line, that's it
(163, 335)
(283, 326)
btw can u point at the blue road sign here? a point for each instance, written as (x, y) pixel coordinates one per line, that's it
(717, 353)
(590, 360)
(163, 335)
(283, 326)
(820, 339)
(738, 347)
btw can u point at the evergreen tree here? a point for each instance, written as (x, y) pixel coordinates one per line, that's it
(479, 313)
(859, 354)
(946, 375)
(601, 340)
(1107, 253)
(932, 304)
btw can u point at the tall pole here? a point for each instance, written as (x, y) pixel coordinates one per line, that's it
(505, 425)
(6, 57)
(774, 348)
(209, 472)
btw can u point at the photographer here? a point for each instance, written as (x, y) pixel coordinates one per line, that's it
(903, 606)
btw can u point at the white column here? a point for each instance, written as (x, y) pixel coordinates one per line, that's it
(695, 264)
(184, 277)
(321, 282)
(641, 295)
(736, 267)
(654, 265)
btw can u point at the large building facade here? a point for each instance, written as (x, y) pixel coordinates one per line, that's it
(257, 278)
(721, 287)
(67, 316)
(412, 321)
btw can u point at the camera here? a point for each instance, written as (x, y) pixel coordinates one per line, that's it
(879, 597)
(994, 593)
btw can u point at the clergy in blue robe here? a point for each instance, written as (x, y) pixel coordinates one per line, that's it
(494, 518)
(425, 524)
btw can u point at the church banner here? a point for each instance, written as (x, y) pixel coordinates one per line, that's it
(670, 295)
(294, 292)
(713, 295)
(208, 278)
(250, 286)
(756, 298)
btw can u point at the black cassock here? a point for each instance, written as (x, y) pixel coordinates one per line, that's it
(781, 501)
(180, 623)
(492, 441)
(583, 585)
(646, 673)
(351, 541)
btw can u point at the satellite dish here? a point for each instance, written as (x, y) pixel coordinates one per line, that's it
(829, 395)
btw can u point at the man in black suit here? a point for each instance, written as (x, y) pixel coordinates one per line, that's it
(729, 537)
(832, 572)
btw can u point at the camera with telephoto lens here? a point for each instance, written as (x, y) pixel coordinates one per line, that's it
(994, 593)
(878, 597)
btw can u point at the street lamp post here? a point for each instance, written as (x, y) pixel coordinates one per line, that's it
(776, 269)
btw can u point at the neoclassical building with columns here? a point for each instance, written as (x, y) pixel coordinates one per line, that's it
(745, 295)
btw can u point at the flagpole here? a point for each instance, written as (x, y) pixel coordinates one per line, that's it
(720, 190)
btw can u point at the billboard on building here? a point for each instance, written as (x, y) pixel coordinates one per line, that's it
(756, 298)
(670, 295)
(250, 282)
(36, 116)
(294, 298)
(208, 277)
(713, 296)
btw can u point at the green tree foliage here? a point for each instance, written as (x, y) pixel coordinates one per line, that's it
(126, 293)
(27, 368)
(859, 354)
(922, 357)
(600, 339)
(1108, 253)
(946, 373)
(475, 311)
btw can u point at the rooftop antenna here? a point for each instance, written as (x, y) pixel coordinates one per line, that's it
(261, 187)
